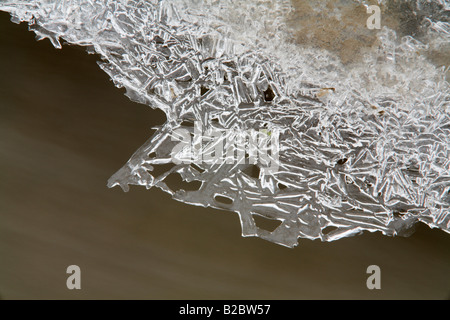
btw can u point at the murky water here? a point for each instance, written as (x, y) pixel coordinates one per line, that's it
(64, 129)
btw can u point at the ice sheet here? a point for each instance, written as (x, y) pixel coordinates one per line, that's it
(363, 116)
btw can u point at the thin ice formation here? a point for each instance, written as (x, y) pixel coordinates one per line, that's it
(363, 146)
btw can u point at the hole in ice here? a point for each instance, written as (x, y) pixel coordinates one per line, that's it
(158, 39)
(266, 223)
(252, 171)
(203, 90)
(329, 229)
(187, 123)
(223, 199)
(159, 169)
(197, 168)
(268, 94)
(341, 161)
(175, 182)
(282, 186)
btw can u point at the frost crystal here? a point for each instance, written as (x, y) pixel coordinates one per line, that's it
(364, 134)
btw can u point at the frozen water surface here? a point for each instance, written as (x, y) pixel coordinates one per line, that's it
(363, 115)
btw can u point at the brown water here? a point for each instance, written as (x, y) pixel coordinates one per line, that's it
(65, 129)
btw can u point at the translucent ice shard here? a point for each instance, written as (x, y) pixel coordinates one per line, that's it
(363, 115)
